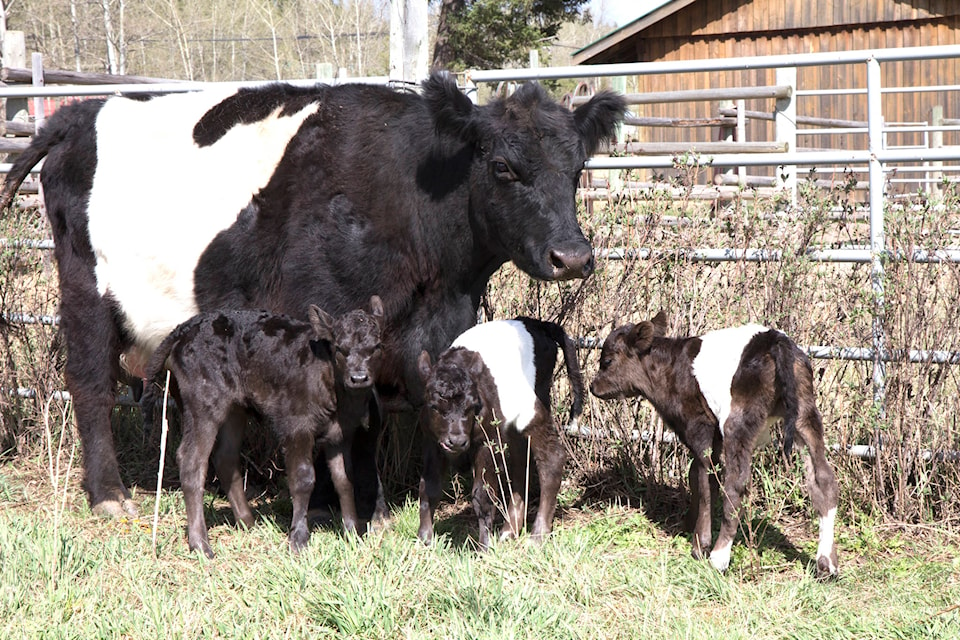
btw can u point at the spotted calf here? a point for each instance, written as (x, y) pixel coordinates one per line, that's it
(293, 375)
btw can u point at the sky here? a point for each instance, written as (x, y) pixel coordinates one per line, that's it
(622, 12)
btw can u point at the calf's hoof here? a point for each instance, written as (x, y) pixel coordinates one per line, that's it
(425, 535)
(827, 567)
(720, 557)
(299, 537)
(115, 508)
(204, 547)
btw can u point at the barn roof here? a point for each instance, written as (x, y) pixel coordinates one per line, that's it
(621, 40)
(711, 18)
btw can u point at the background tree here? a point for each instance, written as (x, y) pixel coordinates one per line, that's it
(498, 33)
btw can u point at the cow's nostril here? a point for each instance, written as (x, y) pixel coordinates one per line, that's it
(572, 264)
(359, 378)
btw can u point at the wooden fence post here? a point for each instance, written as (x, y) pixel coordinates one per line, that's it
(15, 55)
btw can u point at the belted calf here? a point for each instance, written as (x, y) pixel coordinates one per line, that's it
(717, 392)
(291, 373)
(486, 394)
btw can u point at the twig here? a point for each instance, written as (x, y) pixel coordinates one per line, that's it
(163, 455)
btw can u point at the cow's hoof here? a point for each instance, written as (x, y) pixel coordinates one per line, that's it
(116, 508)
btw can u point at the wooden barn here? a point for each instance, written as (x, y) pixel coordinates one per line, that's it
(710, 29)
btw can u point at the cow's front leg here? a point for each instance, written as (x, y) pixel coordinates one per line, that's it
(92, 369)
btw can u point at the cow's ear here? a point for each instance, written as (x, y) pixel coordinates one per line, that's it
(424, 368)
(640, 336)
(451, 110)
(659, 322)
(322, 323)
(597, 120)
(376, 307)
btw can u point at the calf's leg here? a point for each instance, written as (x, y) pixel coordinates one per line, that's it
(199, 436)
(336, 448)
(517, 449)
(429, 488)
(549, 454)
(739, 431)
(704, 448)
(485, 487)
(298, 455)
(226, 458)
(822, 486)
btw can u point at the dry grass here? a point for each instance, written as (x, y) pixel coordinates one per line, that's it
(816, 303)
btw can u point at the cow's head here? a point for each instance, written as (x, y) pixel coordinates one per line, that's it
(528, 155)
(356, 339)
(453, 400)
(624, 371)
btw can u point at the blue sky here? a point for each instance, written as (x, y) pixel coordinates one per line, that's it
(622, 12)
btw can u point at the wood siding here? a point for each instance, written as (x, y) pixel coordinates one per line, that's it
(710, 29)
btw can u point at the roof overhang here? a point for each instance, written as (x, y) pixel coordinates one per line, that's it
(616, 39)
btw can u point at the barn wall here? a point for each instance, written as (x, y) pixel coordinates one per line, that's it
(906, 107)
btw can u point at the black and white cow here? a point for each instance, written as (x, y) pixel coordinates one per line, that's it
(718, 392)
(488, 398)
(273, 196)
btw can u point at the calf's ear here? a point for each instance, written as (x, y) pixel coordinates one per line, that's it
(424, 368)
(376, 307)
(322, 323)
(659, 322)
(640, 337)
(597, 120)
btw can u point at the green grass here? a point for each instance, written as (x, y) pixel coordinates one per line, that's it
(607, 572)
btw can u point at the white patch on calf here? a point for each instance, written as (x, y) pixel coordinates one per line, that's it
(506, 347)
(716, 363)
(158, 199)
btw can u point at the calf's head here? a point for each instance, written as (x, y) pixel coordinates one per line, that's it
(453, 400)
(625, 368)
(528, 152)
(356, 339)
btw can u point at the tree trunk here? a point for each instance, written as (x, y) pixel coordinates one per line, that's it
(443, 54)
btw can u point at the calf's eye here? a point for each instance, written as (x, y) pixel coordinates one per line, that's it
(503, 171)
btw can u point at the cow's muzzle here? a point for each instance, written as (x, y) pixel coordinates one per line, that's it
(572, 263)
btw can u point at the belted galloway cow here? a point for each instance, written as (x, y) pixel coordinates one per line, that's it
(272, 196)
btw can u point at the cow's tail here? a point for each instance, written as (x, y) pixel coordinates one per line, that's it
(155, 379)
(52, 134)
(569, 348)
(784, 355)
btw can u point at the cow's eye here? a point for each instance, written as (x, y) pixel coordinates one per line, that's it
(605, 362)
